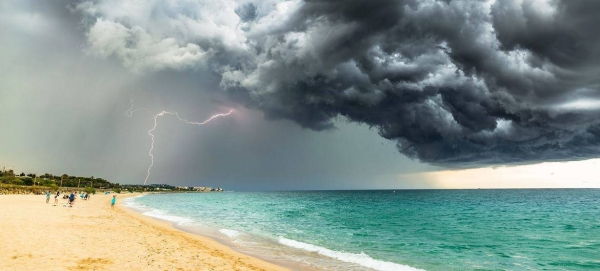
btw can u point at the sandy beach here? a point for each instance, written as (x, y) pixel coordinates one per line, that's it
(92, 236)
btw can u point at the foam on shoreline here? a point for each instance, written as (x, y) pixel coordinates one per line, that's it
(232, 236)
(360, 259)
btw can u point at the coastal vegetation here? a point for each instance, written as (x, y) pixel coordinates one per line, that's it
(11, 182)
(22, 183)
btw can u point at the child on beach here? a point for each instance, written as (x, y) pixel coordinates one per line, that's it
(56, 198)
(47, 197)
(113, 201)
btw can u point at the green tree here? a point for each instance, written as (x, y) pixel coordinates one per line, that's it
(47, 182)
(27, 181)
(8, 179)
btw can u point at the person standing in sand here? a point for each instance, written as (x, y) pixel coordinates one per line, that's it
(47, 196)
(113, 201)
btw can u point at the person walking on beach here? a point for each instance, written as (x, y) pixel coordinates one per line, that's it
(47, 196)
(113, 201)
(56, 198)
(71, 199)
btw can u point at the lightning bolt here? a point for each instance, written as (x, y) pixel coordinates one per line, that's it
(160, 114)
(129, 112)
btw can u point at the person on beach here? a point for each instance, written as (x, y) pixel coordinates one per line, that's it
(47, 196)
(113, 201)
(56, 198)
(71, 199)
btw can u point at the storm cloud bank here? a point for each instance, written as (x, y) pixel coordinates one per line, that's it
(454, 83)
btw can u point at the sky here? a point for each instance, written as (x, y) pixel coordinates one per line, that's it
(327, 94)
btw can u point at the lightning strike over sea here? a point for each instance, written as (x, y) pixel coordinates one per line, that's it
(160, 114)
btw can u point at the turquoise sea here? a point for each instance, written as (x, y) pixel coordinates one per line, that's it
(524, 229)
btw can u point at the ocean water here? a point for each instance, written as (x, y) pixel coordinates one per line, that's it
(537, 229)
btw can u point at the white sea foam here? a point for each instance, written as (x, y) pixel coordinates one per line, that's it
(131, 203)
(164, 216)
(230, 233)
(360, 259)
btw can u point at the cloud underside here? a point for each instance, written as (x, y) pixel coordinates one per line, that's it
(454, 83)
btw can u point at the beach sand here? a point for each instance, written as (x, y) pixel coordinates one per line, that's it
(91, 236)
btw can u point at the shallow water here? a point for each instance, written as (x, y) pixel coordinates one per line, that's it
(537, 229)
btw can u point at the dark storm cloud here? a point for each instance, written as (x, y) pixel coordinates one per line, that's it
(246, 12)
(455, 83)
